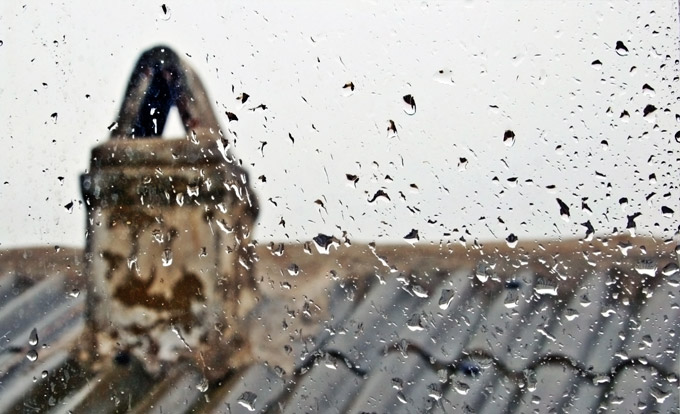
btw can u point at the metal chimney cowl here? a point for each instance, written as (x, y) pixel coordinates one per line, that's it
(168, 254)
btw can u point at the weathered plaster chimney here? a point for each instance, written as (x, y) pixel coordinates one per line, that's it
(168, 229)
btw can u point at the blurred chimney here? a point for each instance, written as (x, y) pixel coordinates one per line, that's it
(168, 254)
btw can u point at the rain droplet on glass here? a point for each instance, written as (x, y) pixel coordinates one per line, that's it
(33, 337)
(203, 385)
(167, 257)
(461, 388)
(446, 298)
(247, 400)
(646, 267)
(32, 355)
(410, 104)
(293, 269)
(444, 76)
(621, 48)
(509, 138)
(571, 314)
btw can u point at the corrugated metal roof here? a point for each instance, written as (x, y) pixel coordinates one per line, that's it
(390, 330)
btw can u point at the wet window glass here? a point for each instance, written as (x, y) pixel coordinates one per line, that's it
(354, 207)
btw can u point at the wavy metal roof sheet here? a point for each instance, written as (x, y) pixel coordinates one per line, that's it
(421, 334)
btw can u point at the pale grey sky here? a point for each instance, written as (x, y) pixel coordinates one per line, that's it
(523, 66)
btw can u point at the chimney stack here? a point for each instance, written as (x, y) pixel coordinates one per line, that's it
(169, 221)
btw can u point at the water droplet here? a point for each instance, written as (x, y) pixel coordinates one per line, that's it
(412, 236)
(192, 191)
(434, 391)
(380, 193)
(648, 90)
(410, 107)
(444, 76)
(667, 211)
(585, 300)
(293, 269)
(32, 355)
(324, 243)
(131, 262)
(461, 388)
(648, 111)
(596, 64)
(511, 240)
(446, 298)
(329, 362)
(571, 314)
(165, 13)
(44, 374)
(276, 251)
(511, 299)
(483, 272)
(348, 89)
(462, 163)
(659, 394)
(33, 337)
(419, 291)
(470, 368)
(509, 138)
(564, 209)
(621, 49)
(54, 117)
(224, 226)
(203, 385)
(545, 287)
(247, 400)
(231, 116)
(167, 257)
(353, 179)
(74, 293)
(530, 380)
(415, 323)
(646, 267)
(670, 269)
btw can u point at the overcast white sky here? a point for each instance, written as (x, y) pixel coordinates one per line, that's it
(524, 66)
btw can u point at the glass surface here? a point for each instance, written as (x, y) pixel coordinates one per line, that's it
(439, 164)
(549, 72)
